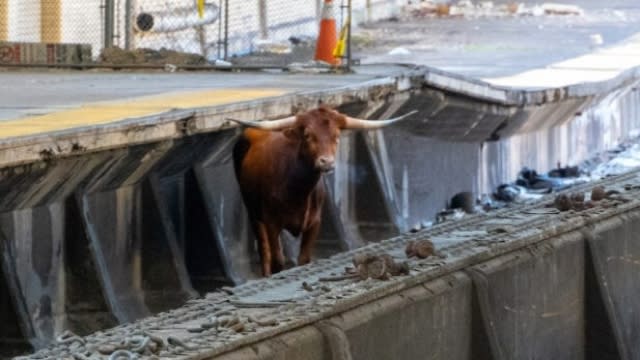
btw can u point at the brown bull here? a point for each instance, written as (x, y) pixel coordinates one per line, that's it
(278, 166)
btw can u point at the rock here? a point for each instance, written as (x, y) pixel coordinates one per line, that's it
(362, 258)
(577, 197)
(598, 193)
(463, 200)
(424, 249)
(409, 249)
(421, 248)
(562, 202)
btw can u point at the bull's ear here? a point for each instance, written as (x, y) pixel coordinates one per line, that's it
(291, 132)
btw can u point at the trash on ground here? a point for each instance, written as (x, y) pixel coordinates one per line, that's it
(471, 9)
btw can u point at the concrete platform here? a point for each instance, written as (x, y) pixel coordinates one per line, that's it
(43, 102)
(34, 93)
(56, 113)
(595, 67)
(490, 47)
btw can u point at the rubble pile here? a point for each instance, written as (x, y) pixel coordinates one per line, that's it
(142, 56)
(380, 267)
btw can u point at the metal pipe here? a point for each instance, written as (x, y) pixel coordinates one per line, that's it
(109, 15)
(262, 19)
(128, 29)
(349, 19)
(219, 30)
(226, 28)
(175, 19)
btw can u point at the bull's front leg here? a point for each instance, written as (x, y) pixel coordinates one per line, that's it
(262, 237)
(308, 241)
(271, 254)
(277, 255)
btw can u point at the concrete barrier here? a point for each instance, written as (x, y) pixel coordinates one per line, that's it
(43, 53)
(539, 301)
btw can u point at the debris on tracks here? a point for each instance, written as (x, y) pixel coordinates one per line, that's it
(380, 267)
(421, 249)
(598, 193)
(576, 200)
(370, 266)
(573, 201)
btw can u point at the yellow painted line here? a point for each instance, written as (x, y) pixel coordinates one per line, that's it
(108, 112)
(4, 20)
(50, 13)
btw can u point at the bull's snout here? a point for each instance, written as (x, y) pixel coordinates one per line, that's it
(325, 163)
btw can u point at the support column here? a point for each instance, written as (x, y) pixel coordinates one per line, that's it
(4, 20)
(109, 14)
(262, 18)
(50, 21)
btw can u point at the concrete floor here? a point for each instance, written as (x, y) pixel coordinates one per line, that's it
(28, 93)
(498, 47)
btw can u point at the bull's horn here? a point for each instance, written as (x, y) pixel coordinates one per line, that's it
(355, 123)
(268, 124)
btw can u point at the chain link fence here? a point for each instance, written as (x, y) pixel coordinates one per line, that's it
(244, 32)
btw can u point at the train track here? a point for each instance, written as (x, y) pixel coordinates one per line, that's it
(233, 317)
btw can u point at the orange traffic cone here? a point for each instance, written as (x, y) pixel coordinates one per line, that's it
(328, 36)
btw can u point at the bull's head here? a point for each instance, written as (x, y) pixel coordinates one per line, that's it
(318, 132)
